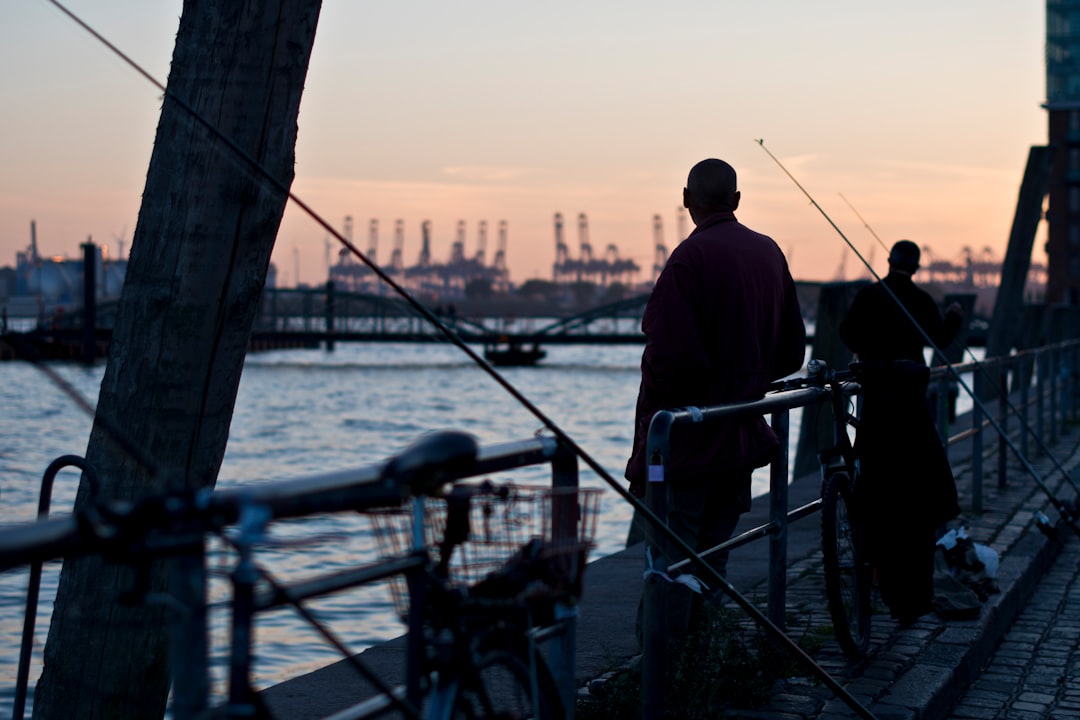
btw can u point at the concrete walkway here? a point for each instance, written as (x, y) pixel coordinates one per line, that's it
(917, 673)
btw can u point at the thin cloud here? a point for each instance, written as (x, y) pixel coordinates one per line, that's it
(488, 173)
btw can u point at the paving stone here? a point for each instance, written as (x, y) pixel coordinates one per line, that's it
(990, 696)
(967, 712)
(1030, 707)
(1035, 698)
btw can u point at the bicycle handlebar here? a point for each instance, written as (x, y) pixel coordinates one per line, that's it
(430, 462)
(818, 375)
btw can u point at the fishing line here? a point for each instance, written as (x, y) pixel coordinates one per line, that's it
(1003, 396)
(267, 176)
(865, 224)
(112, 431)
(1061, 507)
(561, 435)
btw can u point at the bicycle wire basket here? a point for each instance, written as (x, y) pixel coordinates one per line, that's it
(501, 523)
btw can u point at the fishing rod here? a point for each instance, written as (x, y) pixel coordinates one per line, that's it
(265, 175)
(1064, 510)
(1003, 396)
(865, 224)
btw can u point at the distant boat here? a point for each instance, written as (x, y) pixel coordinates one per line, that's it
(511, 354)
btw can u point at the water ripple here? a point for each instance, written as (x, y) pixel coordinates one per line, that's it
(308, 411)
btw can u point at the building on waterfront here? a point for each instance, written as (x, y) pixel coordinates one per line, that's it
(41, 287)
(1063, 108)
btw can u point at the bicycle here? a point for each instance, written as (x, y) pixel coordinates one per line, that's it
(847, 571)
(473, 648)
(848, 574)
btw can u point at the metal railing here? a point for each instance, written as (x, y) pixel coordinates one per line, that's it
(344, 491)
(1041, 387)
(1037, 387)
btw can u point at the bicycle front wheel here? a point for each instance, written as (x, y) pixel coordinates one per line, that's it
(847, 574)
(504, 682)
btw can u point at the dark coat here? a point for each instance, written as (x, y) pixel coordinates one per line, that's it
(723, 321)
(906, 488)
(906, 479)
(876, 329)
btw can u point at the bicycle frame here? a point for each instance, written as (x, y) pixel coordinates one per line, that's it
(847, 573)
(841, 455)
(109, 529)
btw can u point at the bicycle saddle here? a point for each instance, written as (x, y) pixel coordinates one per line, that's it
(432, 460)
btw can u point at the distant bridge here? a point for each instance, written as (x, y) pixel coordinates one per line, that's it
(305, 318)
(313, 316)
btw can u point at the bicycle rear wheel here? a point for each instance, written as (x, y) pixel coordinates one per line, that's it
(847, 574)
(503, 683)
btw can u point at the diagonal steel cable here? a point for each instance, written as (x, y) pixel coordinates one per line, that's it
(262, 173)
(1063, 509)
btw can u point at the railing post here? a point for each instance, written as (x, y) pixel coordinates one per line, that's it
(1070, 382)
(942, 407)
(562, 659)
(778, 502)
(976, 446)
(189, 648)
(1023, 380)
(1052, 376)
(654, 650)
(1040, 394)
(1003, 413)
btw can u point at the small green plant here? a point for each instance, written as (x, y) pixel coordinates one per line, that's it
(716, 668)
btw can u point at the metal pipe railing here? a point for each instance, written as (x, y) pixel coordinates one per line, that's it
(1051, 379)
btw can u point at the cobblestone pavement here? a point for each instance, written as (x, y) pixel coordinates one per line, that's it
(1035, 673)
(938, 669)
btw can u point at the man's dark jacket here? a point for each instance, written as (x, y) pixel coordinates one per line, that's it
(906, 488)
(897, 442)
(723, 321)
(877, 329)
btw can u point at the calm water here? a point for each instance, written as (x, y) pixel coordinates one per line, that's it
(302, 412)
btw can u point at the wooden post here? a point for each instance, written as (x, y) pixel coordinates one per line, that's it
(329, 313)
(816, 430)
(89, 302)
(1028, 215)
(210, 214)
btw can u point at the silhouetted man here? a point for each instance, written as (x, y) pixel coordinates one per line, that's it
(906, 489)
(723, 321)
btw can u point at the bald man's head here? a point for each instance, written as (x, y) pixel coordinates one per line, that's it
(711, 187)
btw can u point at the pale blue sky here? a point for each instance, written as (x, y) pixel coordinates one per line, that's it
(921, 113)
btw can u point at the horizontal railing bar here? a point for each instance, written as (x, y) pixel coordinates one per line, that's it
(745, 538)
(336, 582)
(337, 491)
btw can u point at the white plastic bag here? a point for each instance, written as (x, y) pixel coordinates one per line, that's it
(987, 556)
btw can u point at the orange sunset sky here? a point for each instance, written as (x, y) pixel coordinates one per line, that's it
(919, 113)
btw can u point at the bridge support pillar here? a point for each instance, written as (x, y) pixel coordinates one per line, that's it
(89, 350)
(330, 302)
